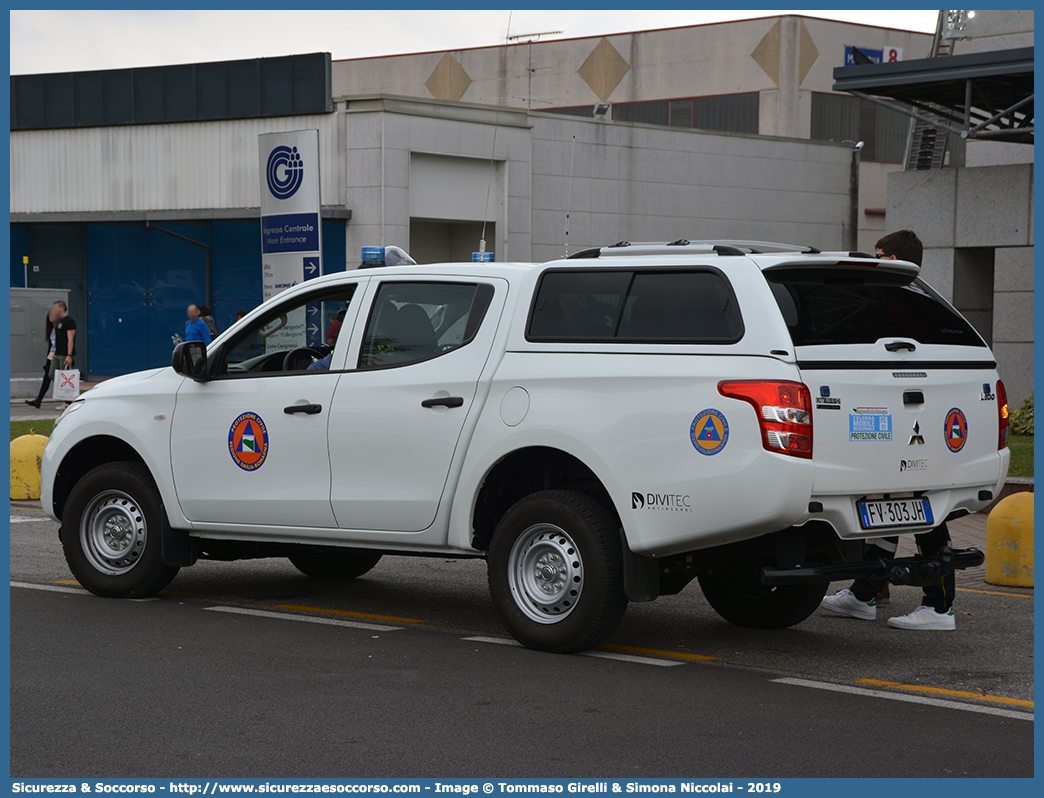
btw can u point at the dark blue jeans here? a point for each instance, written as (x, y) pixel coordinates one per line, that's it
(939, 597)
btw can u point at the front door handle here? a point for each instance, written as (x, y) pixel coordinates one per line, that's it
(310, 410)
(444, 401)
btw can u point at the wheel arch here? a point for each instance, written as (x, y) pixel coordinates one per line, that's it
(525, 471)
(86, 455)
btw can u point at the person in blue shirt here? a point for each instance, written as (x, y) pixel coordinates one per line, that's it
(321, 365)
(195, 328)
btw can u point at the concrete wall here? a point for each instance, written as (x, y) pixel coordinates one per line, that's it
(629, 181)
(383, 134)
(635, 182)
(873, 183)
(644, 183)
(995, 29)
(783, 58)
(977, 222)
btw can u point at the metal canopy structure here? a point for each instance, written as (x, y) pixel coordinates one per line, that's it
(976, 96)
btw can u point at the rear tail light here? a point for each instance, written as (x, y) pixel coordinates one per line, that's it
(784, 413)
(1002, 415)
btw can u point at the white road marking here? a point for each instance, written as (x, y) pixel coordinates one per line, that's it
(663, 663)
(500, 641)
(284, 616)
(911, 699)
(51, 588)
(21, 519)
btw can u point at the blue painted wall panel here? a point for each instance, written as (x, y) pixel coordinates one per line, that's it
(333, 247)
(117, 262)
(140, 281)
(236, 261)
(178, 269)
(118, 335)
(19, 249)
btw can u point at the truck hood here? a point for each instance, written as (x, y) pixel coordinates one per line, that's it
(121, 385)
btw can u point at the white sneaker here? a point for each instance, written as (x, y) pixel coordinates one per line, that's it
(845, 602)
(925, 618)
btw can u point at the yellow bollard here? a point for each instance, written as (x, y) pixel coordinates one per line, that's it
(1009, 542)
(26, 455)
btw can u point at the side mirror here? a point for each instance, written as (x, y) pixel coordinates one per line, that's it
(190, 360)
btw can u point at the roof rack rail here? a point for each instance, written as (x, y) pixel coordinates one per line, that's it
(726, 248)
(757, 247)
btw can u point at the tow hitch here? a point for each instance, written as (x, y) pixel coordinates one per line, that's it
(916, 570)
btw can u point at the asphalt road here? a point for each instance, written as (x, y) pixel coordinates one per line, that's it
(252, 669)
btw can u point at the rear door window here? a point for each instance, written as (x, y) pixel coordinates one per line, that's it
(824, 307)
(678, 306)
(411, 322)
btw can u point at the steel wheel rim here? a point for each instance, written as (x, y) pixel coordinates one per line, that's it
(113, 532)
(545, 573)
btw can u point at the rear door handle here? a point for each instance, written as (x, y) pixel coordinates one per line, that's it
(310, 410)
(895, 346)
(444, 401)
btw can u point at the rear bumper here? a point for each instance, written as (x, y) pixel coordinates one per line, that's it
(900, 571)
(841, 513)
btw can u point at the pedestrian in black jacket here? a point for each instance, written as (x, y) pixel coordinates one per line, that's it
(61, 346)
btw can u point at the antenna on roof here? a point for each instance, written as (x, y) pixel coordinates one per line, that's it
(569, 195)
(492, 164)
(533, 36)
(530, 38)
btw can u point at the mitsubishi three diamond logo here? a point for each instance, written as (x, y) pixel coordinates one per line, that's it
(917, 437)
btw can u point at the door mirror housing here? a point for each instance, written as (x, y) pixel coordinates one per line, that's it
(190, 360)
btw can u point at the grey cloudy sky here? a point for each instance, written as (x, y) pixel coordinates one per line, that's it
(65, 41)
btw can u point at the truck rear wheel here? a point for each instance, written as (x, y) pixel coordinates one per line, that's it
(556, 572)
(111, 532)
(737, 595)
(336, 563)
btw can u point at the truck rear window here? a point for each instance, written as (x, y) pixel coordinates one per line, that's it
(683, 306)
(862, 307)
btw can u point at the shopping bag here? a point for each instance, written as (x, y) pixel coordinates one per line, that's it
(67, 385)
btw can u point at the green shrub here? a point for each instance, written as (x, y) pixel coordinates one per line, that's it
(1022, 419)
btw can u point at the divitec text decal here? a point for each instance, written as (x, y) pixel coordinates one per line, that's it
(916, 464)
(664, 502)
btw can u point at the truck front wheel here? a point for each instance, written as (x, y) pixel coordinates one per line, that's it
(556, 571)
(737, 595)
(111, 532)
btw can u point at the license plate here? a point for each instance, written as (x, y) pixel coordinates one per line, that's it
(881, 513)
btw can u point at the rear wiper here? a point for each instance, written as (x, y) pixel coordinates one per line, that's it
(895, 346)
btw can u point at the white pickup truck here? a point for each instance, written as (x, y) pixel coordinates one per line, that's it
(601, 429)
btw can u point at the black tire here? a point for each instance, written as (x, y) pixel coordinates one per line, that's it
(737, 595)
(112, 531)
(584, 598)
(335, 563)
